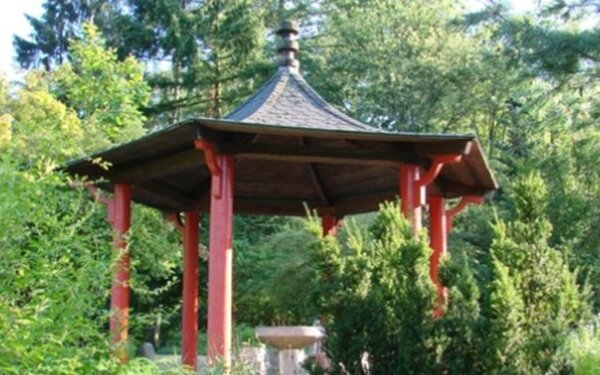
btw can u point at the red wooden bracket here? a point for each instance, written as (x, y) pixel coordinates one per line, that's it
(465, 200)
(210, 156)
(436, 167)
(109, 202)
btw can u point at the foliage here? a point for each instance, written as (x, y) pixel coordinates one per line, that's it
(394, 58)
(208, 46)
(56, 267)
(204, 56)
(515, 316)
(53, 305)
(156, 264)
(57, 257)
(375, 292)
(535, 299)
(36, 122)
(49, 43)
(584, 347)
(273, 280)
(460, 334)
(376, 296)
(105, 93)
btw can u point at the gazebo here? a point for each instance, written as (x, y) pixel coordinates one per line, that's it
(283, 149)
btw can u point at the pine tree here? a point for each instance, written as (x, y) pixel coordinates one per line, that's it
(62, 21)
(535, 298)
(459, 332)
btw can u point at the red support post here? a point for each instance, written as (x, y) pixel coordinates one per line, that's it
(440, 221)
(119, 301)
(410, 195)
(189, 334)
(438, 242)
(413, 186)
(329, 223)
(220, 262)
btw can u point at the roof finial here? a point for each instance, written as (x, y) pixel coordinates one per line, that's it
(287, 45)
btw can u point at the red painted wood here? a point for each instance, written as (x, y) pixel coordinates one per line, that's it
(210, 156)
(119, 300)
(436, 167)
(437, 242)
(189, 334)
(329, 224)
(220, 263)
(410, 195)
(459, 207)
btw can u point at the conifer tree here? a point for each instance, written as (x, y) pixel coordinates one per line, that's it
(459, 332)
(377, 296)
(534, 298)
(62, 21)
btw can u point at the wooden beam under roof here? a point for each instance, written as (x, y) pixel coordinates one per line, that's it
(314, 154)
(314, 176)
(166, 165)
(453, 189)
(168, 195)
(276, 206)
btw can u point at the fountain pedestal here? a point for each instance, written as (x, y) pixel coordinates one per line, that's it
(290, 341)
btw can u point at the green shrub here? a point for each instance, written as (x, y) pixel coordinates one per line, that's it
(54, 272)
(376, 296)
(583, 347)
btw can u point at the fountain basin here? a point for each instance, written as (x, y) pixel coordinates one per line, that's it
(290, 337)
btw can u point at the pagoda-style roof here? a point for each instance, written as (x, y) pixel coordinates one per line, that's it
(292, 148)
(286, 99)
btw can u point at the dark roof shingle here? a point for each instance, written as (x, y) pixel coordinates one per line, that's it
(287, 100)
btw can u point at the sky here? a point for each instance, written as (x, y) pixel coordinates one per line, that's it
(13, 21)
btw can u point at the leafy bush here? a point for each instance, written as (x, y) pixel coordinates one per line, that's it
(54, 271)
(273, 279)
(535, 298)
(56, 264)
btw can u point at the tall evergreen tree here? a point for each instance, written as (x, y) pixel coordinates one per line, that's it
(61, 22)
(534, 296)
(214, 51)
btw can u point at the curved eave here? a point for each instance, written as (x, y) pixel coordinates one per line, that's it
(356, 169)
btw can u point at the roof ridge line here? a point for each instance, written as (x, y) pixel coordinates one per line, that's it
(280, 72)
(256, 94)
(319, 100)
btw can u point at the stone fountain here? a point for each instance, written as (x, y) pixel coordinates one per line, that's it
(290, 341)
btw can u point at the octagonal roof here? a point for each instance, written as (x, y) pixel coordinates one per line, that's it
(292, 149)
